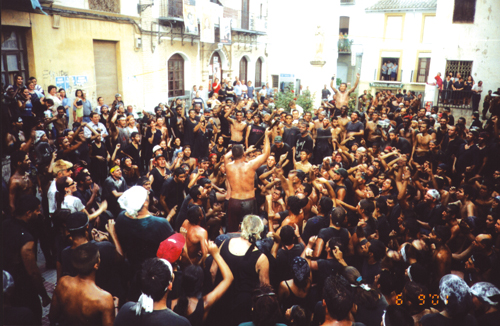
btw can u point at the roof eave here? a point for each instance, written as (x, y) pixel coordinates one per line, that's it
(401, 9)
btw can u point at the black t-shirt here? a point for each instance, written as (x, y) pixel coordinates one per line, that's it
(109, 185)
(371, 316)
(222, 95)
(140, 238)
(313, 226)
(403, 145)
(301, 144)
(173, 192)
(327, 233)
(452, 148)
(467, 157)
(84, 195)
(369, 271)
(127, 316)
(224, 125)
(355, 127)
(156, 139)
(134, 153)
(284, 260)
(189, 131)
(158, 180)
(326, 267)
(439, 320)
(256, 132)
(277, 152)
(290, 135)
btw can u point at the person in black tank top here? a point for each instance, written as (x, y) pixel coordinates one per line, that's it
(192, 286)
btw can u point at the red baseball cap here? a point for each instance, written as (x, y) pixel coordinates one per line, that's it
(171, 248)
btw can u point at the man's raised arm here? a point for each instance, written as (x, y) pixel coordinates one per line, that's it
(355, 84)
(262, 158)
(332, 83)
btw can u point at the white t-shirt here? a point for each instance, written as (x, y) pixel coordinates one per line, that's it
(263, 92)
(51, 196)
(57, 102)
(300, 109)
(74, 204)
(477, 88)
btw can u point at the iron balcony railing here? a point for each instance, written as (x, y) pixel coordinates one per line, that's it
(344, 45)
(456, 99)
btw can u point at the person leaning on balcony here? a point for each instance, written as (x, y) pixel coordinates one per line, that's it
(385, 71)
(467, 90)
(394, 71)
(447, 89)
(458, 87)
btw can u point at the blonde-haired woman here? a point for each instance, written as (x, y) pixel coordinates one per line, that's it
(250, 268)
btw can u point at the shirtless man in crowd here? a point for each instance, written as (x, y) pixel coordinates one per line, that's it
(343, 120)
(341, 95)
(240, 175)
(336, 131)
(374, 133)
(78, 300)
(19, 183)
(196, 236)
(407, 131)
(420, 151)
(237, 127)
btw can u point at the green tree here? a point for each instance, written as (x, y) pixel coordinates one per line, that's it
(304, 100)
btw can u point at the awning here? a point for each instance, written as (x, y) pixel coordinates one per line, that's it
(386, 85)
(26, 5)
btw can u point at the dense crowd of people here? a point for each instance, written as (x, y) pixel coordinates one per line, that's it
(227, 210)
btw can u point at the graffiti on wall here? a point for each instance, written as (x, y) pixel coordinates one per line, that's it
(62, 79)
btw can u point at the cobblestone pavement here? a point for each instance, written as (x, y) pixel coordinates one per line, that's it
(50, 277)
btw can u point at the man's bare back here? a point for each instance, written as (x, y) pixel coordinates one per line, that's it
(371, 127)
(19, 185)
(80, 302)
(196, 239)
(241, 174)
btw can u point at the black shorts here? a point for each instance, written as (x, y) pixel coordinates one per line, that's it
(236, 210)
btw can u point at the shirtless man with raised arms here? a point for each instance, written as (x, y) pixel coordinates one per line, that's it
(240, 175)
(341, 95)
(237, 127)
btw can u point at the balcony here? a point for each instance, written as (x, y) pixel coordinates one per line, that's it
(171, 10)
(242, 21)
(344, 45)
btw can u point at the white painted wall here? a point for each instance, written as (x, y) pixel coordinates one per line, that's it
(374, 41)
(478, 42)
(292, 26)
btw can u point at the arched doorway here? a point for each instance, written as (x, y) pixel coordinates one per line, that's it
(243, 69)
(258, 73)
(176, 76)
(215, 68)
